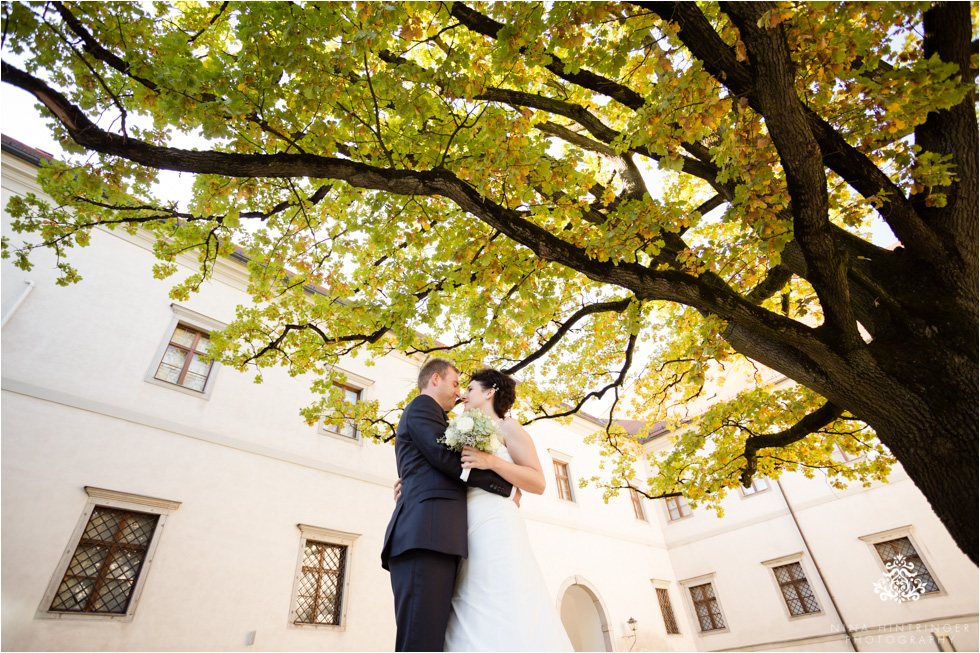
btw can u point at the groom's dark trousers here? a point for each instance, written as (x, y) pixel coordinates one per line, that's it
(426, 536)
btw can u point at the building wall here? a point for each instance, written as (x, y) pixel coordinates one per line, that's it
(78, 412)
(823, 527)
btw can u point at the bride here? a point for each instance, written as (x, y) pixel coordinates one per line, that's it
(501, 602)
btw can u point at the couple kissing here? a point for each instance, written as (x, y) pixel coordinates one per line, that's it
(463, 574)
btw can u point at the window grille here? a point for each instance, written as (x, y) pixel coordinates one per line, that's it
(890, 550)
(561, 476)
(637, 505)
(182, 364)
(677, 508)
(706, 607)
(107, 562)
(667, 611)
(321, 587)
(348, 428)
(796, 590)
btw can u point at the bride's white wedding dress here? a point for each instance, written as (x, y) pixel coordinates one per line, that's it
(501, 602)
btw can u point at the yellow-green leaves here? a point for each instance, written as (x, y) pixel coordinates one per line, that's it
(562, 190)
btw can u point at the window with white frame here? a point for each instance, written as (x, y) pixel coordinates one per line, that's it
(793, 585)
(706, 607)
(323, 577)
(183, 362)
(901, 551)
(180, 362)
(796, 589)
(102, 573)
(677, 508)
(563, 477)
(637, 501)
(347, 427)
(666, 608)
(354, 389)
(758, 485)
(898, 547)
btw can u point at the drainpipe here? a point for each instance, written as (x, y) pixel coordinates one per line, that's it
(20, 300)
(816, 565)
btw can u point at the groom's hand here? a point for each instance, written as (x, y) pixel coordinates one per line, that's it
(517, 497)
(398, 489)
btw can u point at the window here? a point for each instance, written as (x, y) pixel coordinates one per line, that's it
(667, 611)
(637, 504)
(796, 590)
(178, 363)
(322, 578)
(348, 428)
(561, 477)
(107, 562)
(758, 485)
(677, 508)
(706, 607)
(182, 364)
(889, 550)
(102, 575)
(321, 590)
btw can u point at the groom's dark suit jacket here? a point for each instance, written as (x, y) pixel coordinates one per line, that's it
(431, 511)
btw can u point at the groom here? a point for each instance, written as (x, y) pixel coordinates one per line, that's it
(427, 533)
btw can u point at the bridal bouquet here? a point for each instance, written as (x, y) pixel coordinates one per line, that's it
(472, 428)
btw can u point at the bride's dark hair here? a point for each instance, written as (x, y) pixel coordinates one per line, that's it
(505, 386)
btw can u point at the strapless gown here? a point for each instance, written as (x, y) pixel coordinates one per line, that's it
(501, 602)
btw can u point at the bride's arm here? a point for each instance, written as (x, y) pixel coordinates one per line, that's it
(525, 472)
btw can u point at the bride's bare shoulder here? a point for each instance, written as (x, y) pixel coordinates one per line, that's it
(509, 425)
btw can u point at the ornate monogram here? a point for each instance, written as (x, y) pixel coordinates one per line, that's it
(899, 582)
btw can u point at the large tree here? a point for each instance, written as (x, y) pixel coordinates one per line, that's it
(482, 173)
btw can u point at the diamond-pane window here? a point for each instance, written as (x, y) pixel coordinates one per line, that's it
(796, 589)
(667, 611)
(107, 562)
(892, 549)
(706, 607)
(182, 363)
(321, 585)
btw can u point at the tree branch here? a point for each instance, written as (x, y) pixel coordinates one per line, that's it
(707, 292)
(592, 309)
(774, 84)
(482, 24)
(96, 49)
(826, 414)
(598, 394)
(700, 37)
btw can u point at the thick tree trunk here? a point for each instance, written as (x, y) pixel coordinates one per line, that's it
(940, 456)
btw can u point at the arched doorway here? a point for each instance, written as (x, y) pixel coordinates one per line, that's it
(584, 616)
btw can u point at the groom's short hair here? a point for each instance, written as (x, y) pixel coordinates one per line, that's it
(434, 366)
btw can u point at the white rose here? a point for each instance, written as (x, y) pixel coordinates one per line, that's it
(464, 424)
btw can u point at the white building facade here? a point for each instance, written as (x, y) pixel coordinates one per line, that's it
(151, 503)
